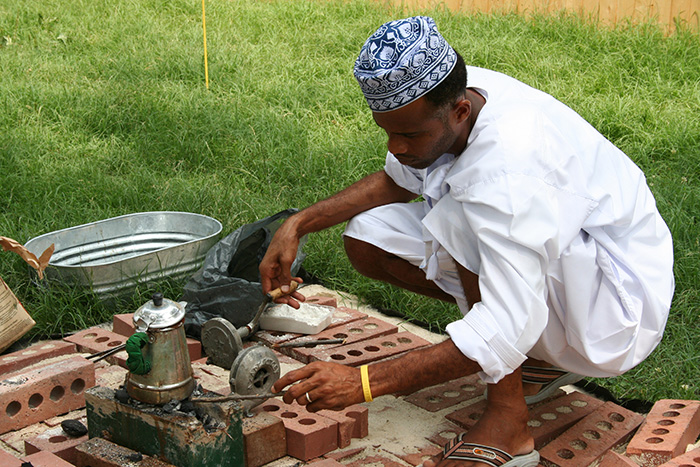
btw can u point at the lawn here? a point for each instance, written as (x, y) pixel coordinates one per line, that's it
(104, 112)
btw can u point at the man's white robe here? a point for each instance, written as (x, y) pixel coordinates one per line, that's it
(575, 263)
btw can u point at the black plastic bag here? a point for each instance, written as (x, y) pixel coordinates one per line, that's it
(228, 283)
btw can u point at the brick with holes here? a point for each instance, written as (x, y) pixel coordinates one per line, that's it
(33, 354)
(56, 441)
(344, 315)
(613, 459)
(689, 459)
(353, 422)
(45, 459)
(589, 439)
(670, 426)
(549, 420)
(442, 396)
(322, 300)
(95, 339)
(354, 331)
(444, 433)
(370, 350)
(309, 435)
(42, 392)
(341, 316)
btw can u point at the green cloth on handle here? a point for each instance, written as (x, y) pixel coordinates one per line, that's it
(136, 363)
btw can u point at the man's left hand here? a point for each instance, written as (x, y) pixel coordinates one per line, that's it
(322, 385)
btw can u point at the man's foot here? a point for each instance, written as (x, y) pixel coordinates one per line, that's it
(501, 427)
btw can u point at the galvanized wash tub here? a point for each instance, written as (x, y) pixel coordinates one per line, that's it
(112, 256)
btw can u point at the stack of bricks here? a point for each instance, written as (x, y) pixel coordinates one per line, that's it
(44, 385)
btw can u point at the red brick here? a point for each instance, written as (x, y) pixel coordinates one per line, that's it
(340, 455)
(444, 433)
(98, 452)
(55, 440)
(326, 463)
(353, 422)
(370, 350)
(360, 414)
(212, 378)
(95, 339)
(322, 300)
(352, 332)
(264, 439)
(552, 418)
(343, 315)
(669, 427)
(46, 459)
(589, 439)
(689, 459)
(43, 392)
(123, 325)
(80, 415)
(111, 376)
(13, 441)
(416, 455)
(33, 354)
(375, 461)
(270, 338)
(8, 460)
(467, 416)
(546, 421)
(309, 435)
(442, 396)
(613, 459)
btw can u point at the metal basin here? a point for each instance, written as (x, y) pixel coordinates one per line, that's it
(112, 256)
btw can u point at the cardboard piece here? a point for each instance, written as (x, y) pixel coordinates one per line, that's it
(14, 319)
(30, 258)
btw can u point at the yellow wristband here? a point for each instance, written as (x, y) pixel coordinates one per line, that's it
(365, 383)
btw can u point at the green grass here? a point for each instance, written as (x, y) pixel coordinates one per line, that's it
(103, 112)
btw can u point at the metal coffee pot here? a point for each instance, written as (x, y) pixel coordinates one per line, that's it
(165, 373)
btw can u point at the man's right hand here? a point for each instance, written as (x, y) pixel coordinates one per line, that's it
(276, 266)
(373, 190)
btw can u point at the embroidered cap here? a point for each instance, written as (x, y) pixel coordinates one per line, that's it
(402, 61)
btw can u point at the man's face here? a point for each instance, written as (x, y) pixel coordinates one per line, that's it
(418, 134)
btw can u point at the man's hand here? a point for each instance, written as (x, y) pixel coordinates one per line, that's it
(328, 385)
(275, 267)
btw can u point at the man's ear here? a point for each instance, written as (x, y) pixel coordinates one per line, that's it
(462, 110)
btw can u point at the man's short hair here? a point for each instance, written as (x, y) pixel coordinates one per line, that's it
(451, 88)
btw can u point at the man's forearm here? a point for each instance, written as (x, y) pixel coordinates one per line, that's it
(374, 190)
(420, 368)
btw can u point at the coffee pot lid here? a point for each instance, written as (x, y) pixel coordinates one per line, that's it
(158, 313)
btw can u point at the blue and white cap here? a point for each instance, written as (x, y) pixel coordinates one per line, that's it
(402, 61)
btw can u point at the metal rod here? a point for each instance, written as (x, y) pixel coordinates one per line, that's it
(309, 343)
(106, 353)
